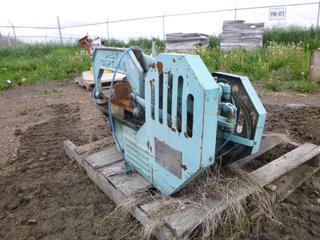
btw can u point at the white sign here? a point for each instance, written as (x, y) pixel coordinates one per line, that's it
(277, 13)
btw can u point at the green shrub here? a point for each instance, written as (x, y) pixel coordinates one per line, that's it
(303, 86)
(214, 41)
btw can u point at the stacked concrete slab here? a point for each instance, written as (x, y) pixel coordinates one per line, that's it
(185, 41)
(239, 34)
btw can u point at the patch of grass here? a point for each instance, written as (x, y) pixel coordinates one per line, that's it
(303, 86)
(273, 85)
(29, 64)
(278, 65)
(307, 37)
(214, 41)
(285, 62)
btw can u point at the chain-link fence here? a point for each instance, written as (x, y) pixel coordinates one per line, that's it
(209, 22)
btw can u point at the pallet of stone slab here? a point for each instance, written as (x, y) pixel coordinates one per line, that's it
(86, 79)
(105, 167)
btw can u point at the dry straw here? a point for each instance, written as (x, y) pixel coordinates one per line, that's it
(218, 195)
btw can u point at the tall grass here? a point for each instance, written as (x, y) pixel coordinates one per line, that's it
(282, 63)
(277, 65)
(307, 37)
(28, 64)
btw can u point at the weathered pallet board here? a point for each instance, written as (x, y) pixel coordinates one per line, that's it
(106, 169)
(188, 219)
(288, 183)
(95, 146)
(86, 79)
(118, 195)
(275, 169)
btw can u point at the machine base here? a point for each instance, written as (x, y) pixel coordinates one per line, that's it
(105, 168)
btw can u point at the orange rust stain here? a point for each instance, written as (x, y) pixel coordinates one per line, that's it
(159, 67)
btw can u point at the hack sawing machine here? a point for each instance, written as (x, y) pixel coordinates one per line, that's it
(171, 118)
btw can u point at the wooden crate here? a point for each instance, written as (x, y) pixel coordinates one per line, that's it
(104, 165)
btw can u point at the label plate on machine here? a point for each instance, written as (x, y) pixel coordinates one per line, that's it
(168, 157)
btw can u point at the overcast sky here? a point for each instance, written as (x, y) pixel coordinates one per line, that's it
(71, 12)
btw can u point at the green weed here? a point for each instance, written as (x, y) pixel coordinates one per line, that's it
(307, 37)
(28, 64)
(303, 86)
(278, 65)
(273, 85)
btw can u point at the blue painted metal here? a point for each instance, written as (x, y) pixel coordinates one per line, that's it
(183, 107)
(237, 139)
(245, 88)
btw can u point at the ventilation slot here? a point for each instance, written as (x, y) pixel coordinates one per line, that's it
(160, 98)
(169, 100)
(179, 103)
(190, 114)
(152, 97)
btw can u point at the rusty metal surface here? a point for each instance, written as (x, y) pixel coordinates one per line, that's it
(87, 44)
(168, 158)
(121, 96)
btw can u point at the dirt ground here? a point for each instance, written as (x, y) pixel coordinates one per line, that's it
(45, 195)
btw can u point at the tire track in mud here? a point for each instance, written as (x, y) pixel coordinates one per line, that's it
(301, 123)
(48, 196)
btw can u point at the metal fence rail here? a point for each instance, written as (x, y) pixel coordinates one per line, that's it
(61, 27)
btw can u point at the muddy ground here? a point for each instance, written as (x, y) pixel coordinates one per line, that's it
(45, 195)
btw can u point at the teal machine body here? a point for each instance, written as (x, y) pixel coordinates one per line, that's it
(172, 118)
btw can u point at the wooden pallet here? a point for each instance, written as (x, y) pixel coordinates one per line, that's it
(86, 79)
(104, 166)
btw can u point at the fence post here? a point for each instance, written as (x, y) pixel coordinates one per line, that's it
(59, 27)
(317, 26)
(9, 41)
(163, 28)
(108, 32)
(14, 33)
(235, 12)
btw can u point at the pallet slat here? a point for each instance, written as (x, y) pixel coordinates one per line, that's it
(94, 146)
(106, 169)
(288, 183)
(275, 169)
(104, 158)
(86, 79)
(190, 218)
(130, 184)
(113, 192)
